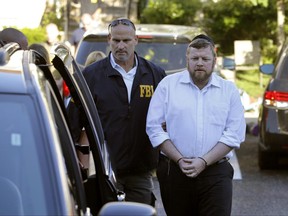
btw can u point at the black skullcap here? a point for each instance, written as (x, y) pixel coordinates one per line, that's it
(205, 37)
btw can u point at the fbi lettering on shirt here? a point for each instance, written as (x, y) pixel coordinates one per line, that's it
(146, 90)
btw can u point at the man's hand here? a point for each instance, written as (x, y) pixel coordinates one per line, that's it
(191, 167)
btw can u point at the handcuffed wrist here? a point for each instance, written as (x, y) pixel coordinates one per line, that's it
(206, 164)
(179, 160)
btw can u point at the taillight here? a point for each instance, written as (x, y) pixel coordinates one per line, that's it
(66, 91)
(145, 36)
(276, 99)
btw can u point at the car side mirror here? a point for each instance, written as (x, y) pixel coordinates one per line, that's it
(127, 208)
(267, 69)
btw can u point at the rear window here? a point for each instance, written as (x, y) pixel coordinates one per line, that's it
(89, 45)
(167, 52)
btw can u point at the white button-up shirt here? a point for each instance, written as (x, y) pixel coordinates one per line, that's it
(128, 77)
(196, 120)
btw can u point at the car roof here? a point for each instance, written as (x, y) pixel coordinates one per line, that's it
(168, 29)
(11, 74)
(156, 30)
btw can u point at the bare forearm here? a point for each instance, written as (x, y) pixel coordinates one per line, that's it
(217, 153)
(192, 167)
(168, 148)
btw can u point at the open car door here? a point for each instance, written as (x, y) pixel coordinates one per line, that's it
(99, 187)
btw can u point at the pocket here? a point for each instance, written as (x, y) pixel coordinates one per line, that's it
(218, 114)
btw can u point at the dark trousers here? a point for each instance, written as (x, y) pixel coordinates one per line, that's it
(137, 187)
(209, 194)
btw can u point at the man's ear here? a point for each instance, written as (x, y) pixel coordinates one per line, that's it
(136, 39)
(214, 62)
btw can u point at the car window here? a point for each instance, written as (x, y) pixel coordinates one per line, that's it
(89, 45)
(168, 55)
(167, 52)
(21, 150)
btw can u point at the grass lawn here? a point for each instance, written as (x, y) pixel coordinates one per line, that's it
(252, 81)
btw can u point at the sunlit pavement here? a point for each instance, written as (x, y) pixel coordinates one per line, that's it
(251, 118)
(158, 204)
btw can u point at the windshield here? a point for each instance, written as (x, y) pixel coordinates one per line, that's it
(168, 53)
(21, 177)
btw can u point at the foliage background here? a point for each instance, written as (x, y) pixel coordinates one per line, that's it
(38, 35)
(170, 12)
(225, 20)
(238, 20)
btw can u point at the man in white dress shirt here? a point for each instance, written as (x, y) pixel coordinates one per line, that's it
(205, 121)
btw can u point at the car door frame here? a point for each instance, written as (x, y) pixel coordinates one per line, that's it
(66, 141)
(66, 65)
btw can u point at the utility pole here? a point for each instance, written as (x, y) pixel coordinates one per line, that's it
(128, 8)
(66, 19)
(280, 23)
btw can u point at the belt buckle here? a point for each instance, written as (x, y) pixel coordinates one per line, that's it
(222, 160)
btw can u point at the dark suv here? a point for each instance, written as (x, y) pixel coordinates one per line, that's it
(165, 45)
(273, 117)
(40, 173)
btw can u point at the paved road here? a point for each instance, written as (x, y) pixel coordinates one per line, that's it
(260, 192)
(159, 206)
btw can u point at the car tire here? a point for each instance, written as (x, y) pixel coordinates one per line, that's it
(267, 160)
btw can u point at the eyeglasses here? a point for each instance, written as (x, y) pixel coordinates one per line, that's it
(120, 21)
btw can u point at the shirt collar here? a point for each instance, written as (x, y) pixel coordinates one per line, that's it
(112, 61)
(115, 65)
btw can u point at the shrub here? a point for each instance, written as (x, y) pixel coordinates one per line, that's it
(37, 35)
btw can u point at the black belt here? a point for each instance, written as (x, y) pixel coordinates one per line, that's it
(224, 159)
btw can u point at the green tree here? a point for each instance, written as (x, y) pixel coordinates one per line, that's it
(36, 35)
(230, 20)
(53, 14)
(170, 12)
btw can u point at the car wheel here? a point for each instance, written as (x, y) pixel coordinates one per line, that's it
(267, 160)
